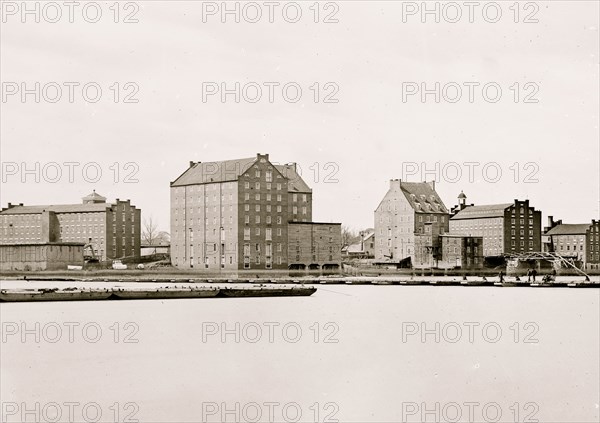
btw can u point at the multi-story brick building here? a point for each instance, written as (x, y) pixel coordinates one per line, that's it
(315, 244)
(509, 228)
(109, 230)
(465, 252)
(234, 215)
(579, 241)
(408, 223)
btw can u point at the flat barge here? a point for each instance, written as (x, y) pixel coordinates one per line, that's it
(78, 294)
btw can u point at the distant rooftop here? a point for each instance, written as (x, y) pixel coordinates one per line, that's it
(569, 229)
(93, 202)
(422, 197)
(94, 198)
(484, 211)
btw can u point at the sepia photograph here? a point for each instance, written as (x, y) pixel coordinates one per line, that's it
(311, 211)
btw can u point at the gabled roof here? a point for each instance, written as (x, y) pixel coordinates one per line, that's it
(360, 246)
(422, 197)
(480, 212)
(295, 181)
(58, 208)
(222, 171)
(231, 170)
(569, 229)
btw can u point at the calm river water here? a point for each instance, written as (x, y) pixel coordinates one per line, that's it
(348, 354)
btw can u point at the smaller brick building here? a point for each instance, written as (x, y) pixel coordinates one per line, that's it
(580, 241)
(108, 230)
(34, 257)
(457, 251)
(507, 228)
(314, 246)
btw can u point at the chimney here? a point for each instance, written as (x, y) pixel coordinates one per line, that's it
(432, 184)
(395, 183)
(192, 164)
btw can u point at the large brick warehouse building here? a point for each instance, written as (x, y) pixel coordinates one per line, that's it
(248, 214)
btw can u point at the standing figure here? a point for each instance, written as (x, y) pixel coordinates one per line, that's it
(533, 273)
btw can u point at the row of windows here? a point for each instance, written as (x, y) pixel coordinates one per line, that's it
(257, 197)
(522, 243)
(190, 210)
(256, 185)
(521, 232)
(457, 250)
(257, 232)
(268, 262)
(477, 223)
(268, 249)
(257, 208)
(22, 218)
(123, 216)
(522, 210)
(268, 175)
(428, 218)
(21, 230)
(268, 219)
(81, 217)
(521, 221)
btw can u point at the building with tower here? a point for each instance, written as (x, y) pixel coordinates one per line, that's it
(108, 230)
(507, 228)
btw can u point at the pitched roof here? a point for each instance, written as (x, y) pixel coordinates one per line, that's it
(569, 229)
(58, 208)
(479, 212)
(231, 170)
(295, 181)
(422, 197)
(94, 196)
(222, 171)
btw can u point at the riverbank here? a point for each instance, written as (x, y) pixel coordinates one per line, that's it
(560, 281)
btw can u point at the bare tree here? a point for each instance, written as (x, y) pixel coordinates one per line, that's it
(150, 231)
(163, 238)
(348, 236)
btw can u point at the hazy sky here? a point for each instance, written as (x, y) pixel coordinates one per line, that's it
(370, 56)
